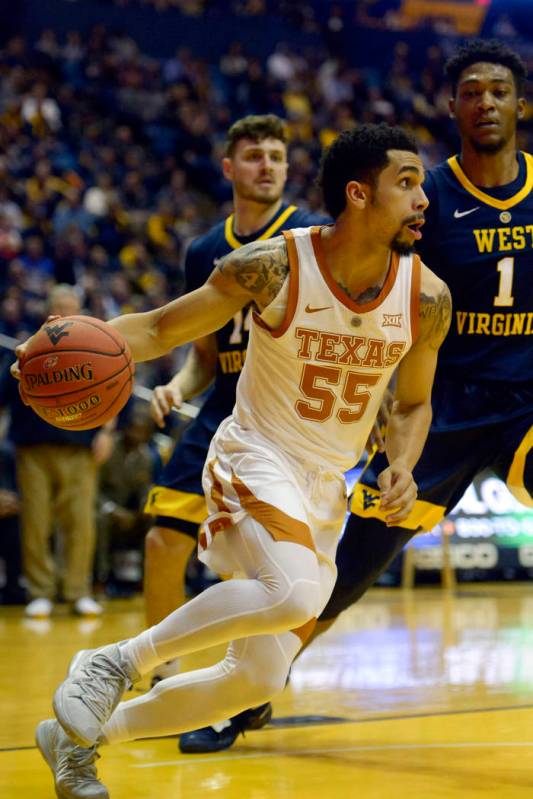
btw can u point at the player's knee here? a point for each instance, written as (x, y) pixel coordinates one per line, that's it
(299, 604)
(259, 682)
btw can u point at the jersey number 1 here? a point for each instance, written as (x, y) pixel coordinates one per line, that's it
(505, 298)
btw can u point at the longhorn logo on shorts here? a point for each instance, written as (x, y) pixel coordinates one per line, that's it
(56, 332)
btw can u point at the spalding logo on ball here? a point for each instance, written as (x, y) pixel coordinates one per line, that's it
(77, 373)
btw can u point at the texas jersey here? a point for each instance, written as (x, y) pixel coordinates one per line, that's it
(480, 241)
(314, 384)
(202, 256)
(177, 501)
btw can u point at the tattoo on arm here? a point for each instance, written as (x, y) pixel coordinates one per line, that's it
(260, 268)
(435, 316)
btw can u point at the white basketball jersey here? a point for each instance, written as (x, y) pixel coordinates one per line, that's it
(313, 386)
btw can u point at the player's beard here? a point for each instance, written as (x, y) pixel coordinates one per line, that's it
(401, 247)
(492, 147)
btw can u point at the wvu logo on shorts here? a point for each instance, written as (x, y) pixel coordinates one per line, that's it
(369, 500)
(56, 332)
(392, 320)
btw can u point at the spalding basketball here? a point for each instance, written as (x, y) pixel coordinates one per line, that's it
(77, 372)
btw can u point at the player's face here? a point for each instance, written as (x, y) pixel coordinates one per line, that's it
(486, 106)
(258, 170)
(398, 201)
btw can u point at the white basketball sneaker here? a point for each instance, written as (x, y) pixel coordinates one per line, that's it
(96, 681)
(72, 766)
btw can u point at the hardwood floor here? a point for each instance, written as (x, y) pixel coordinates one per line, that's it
(416, 693)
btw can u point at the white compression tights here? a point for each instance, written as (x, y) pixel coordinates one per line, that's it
(286, 588)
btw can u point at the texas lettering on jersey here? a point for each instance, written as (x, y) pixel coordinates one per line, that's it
(321, 346)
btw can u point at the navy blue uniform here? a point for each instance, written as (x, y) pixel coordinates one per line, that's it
(480, 241)
(178, 502)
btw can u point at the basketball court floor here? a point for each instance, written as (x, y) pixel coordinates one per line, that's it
(413, 693)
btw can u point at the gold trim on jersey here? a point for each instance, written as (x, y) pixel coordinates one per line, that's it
(515, 478)
(479, 194)
(365, 503)
(162, 501)
(234, 242)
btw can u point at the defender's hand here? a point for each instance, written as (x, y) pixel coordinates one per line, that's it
(9, 503)
(398, 493)
(102, 446)
(164, 398)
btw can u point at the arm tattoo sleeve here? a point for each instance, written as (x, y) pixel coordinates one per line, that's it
(260, 268)
(435, 317)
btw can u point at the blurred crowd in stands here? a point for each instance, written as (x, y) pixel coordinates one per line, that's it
(109, 156)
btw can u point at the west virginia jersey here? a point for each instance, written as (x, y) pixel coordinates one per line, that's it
(481, 242)
(178, 501)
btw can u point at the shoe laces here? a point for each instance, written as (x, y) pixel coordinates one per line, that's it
(79, 763)
(101, 681)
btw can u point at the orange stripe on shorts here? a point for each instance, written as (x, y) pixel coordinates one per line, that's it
(217, 492)
(304, 632)
(280, 526)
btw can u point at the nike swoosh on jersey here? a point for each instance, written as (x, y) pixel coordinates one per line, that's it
(308, 308)
(458, 214)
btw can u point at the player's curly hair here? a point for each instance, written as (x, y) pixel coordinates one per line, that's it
(490, 51)
(255, 127)
(359, 153)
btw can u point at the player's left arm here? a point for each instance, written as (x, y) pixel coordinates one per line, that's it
(411, 411)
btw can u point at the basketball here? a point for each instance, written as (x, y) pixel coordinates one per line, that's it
(77, 372)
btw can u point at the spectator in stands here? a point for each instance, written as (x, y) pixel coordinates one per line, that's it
(56, 476)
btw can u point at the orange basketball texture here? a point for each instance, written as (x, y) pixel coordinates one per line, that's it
(77, 373)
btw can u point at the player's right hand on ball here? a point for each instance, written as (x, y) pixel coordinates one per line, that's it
(164, 398)
(20, 351)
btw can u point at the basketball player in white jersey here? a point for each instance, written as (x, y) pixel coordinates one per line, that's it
(339, 308)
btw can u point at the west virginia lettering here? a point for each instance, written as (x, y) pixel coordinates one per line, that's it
(231, 361)
(473, 323)
(504, 239)
(318, 345)
(70, 374)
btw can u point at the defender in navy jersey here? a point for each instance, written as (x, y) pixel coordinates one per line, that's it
(479, 238)
(256, 164)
